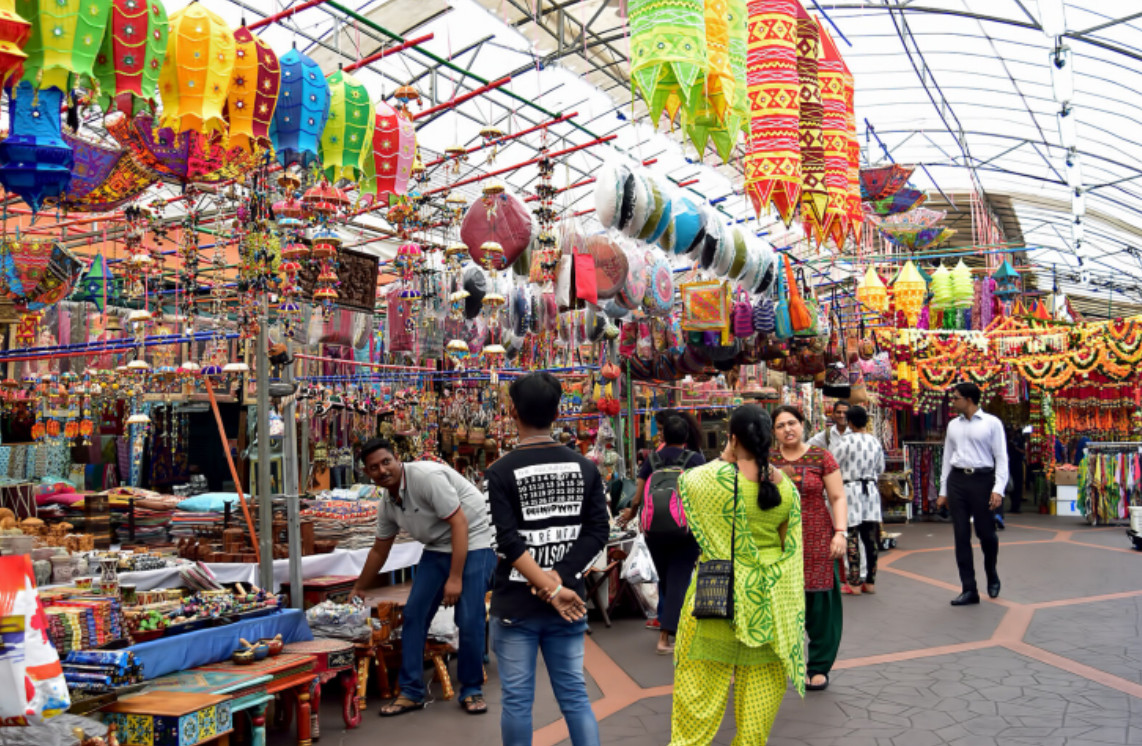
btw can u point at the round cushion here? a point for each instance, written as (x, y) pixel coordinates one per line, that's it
(610, 264)
(659, 297)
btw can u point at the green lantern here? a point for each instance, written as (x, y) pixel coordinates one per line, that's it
(65, 40)
(348, 135)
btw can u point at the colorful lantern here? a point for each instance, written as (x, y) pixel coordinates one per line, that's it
(97, 284)
(491, 134)
(1006, 281)
(963, 286)
(871, 292)
(129, 61)
(834, 129)
(406, 95)
(908, 291)
(196, 73)
(941, 287)
(814, 195)
(14, 32)
(253, 91)
(35, 162)
(668, 54)
(348, 135)
(65, 39)
(497, 218)
(389, 168)
(302, 110)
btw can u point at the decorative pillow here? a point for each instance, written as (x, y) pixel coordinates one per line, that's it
(706, 306)
(209, 502)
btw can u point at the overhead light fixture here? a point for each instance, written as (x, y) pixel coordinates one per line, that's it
(1052, 17)
(1062, 75)
(1068, 131)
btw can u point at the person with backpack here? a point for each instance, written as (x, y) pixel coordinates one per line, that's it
(672, 547)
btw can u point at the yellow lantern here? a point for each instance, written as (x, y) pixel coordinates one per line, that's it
(195, 77)
(871, 292)
(909, 290)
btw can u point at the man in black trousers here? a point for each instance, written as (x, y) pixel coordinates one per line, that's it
(972, 484)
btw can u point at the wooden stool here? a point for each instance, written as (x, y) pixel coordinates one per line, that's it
(386, 649)
(336, 659)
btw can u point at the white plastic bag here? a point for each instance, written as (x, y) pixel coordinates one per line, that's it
(32, 686)
(639, 567)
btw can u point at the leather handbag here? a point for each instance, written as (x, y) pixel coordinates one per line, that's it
(714, 584)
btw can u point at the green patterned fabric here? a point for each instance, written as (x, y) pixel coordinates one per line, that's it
(706, 125)
(769, 598)
(668, 53)
(347, 139)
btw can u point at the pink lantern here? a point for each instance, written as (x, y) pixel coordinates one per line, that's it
(394, 149)
(497, 217)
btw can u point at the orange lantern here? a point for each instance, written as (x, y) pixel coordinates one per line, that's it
(196, 72)
(909, 290)
(253, 91)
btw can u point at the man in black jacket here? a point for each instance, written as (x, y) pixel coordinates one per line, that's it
(551, 521)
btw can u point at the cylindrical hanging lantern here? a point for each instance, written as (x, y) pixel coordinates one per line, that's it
(14, 32)
(253, 91)
(302, 110)
(130, 60)
(871, 292)
(941, 289)
(389, 167)
(963, 287)
(908, 291)
(348, 135)
(35, 161)
(65, 38)
(196, 73)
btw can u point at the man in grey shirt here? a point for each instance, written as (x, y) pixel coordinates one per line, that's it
(446, 513)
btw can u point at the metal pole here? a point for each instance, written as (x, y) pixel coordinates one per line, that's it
(265, 493)
(290, 482)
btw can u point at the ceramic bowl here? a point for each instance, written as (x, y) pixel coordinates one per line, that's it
(261, 650)
(243, 657)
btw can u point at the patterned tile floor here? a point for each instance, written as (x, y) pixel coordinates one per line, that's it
(1055, 661)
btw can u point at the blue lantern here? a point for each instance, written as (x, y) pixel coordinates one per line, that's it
(302, 110)
(1006, 281)
(35, 162)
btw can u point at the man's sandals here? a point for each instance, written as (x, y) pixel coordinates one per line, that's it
(400, 706)
(474, 704)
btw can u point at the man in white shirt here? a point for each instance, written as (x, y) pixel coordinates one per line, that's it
(830, 436)
(972, 484)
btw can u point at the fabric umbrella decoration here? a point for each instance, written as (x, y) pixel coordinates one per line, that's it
(904, 200)
(814, 194)
(195, 76)
(348, 135)
(388, 169)
(500, 218)
(302, 110)
(881, 182)
(668, 53)
(14, 32)
(773, 162)
(185, 156)
(56, 280)
(102, 177)
(253, 91)
(65, 39)
(129, 61)
(35, 162)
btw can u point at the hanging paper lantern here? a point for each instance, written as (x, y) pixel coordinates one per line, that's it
(65, 38)
(963, 286)
(35, 162)
(253, 91)
(722, 113)
(389, 168)
(854, 211)
(814, 194)
(908, 292)
(1006, 281)
(348, 135)
(301, 112)
(196, 72)
(14, 32)
(668, 53)
(941, 287)
(500, 218)
(129, 61)
(871, 292)
(406, 95)
(97, 283)
(773, 161)
(834, 128)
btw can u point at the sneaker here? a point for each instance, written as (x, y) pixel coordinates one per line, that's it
(653, 624)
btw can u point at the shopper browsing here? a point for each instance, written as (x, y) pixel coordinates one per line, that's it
(446, 513)
(551, 522)
(834, 433)
(861, 458)
(972, 483)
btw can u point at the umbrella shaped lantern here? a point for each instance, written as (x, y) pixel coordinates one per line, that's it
(14, 32)
(348, 135)
(253, 91)
(302, 110)
(35, 162)
(130, 59)
(389, 167)
(196, 72)
(65, 39)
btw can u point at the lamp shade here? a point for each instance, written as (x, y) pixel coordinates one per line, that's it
(389, 167)
(668, 53)
(196, 71)
(348, 135)
(963, 287)
(35, 162)
(65, 39)
(253, 92)
(302, 110)
(131, 57)
(941, 289)
(909, 290)
(871, 292)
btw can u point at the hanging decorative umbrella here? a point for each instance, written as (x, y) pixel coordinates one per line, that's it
(814, 195)
(35, 162)
(499, 218)
(253, 91)
(881, 182)
(64, 40)
(196, 72)
(773, 162)
(668, 53)
(388, 170)
(186, 156)
(14, 32)
(103, 178)
(128, 64)
(56, 280)
(916, 238)
(348, 135)
(302, 110)
(904, 200)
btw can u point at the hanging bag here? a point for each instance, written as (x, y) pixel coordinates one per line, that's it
(714, 582)
(783, 321)
(808, 324)
(764, 315)
(586, 284)
(742, 316)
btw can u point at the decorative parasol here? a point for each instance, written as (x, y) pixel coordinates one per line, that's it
(903, 201)
(881, 182)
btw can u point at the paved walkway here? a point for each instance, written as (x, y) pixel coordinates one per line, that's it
(1055, 661)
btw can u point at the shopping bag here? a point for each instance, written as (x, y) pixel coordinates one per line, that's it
(32, 686)
(586, 284)
(639, 567)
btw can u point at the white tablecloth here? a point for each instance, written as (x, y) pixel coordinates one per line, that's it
(337, 562)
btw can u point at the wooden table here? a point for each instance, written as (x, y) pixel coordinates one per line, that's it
(290, 677)
(171, 719)
(336, 659)
(247, 692)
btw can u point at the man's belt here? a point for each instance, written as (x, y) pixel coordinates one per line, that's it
(974, 470)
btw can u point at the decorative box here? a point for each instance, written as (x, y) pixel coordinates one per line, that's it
(170, 719)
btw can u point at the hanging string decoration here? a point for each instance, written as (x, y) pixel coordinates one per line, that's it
(348, 135)
(254, 88)
(197, 70)
(65, 39)
(35, 161)
(388, 169)
(302, 110)
(129, 61)
(491, 135)
(773, 162)
(14, 32)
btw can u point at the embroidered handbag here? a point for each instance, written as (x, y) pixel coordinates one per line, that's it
(764, 316)
(714, 584)
(742, 316)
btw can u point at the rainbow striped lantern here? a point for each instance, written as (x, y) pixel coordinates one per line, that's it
(196, 73)
(14, 32)
(871, 292)
(65, 39)
(129, 61)
(394, 148)
(253, 91)
(963, 287)
(35, 162)
(302, 110)
(909, 290)
(348, 135)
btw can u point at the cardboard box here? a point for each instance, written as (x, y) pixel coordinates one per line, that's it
(1066, 477)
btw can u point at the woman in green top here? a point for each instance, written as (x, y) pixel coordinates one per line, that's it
(764, 642)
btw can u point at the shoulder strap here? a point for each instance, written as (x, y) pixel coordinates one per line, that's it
(734, 519)
(656, 461)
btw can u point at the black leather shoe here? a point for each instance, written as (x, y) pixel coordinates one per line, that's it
(993, 588)
(966, 598)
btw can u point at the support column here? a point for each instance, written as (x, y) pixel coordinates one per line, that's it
(290, 487)
(265, 487)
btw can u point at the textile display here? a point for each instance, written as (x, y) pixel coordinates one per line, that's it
(32, 686)
(1110, 482)
(706, 307)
